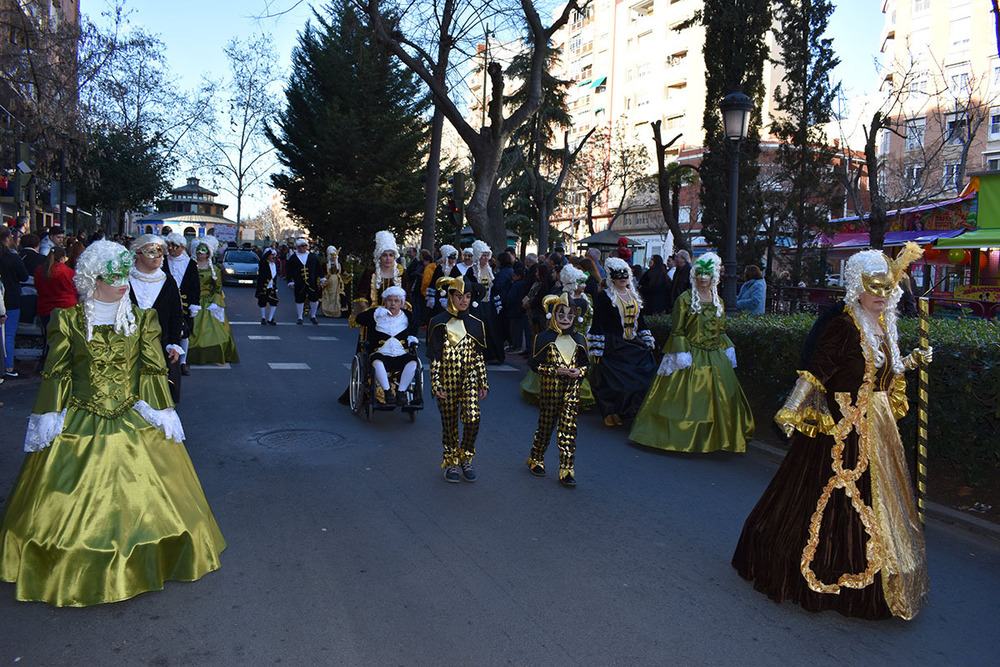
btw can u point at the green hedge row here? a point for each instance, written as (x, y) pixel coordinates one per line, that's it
(964, 390)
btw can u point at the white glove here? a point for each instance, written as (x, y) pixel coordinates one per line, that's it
(918, 356)
(217, 312)
(412, 340)
(731, 355)
(291, 285)
(194, 310)
(322, 281)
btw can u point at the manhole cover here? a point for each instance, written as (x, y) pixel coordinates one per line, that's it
(296, 439)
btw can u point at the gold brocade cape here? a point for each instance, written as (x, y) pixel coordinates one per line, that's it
(837, 527)
(111, 508)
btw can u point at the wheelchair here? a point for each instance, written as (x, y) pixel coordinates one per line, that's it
(361, 390)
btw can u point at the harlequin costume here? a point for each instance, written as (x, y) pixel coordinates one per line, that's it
(696, 403)
(557, 350)
(455, 343)
(211, 338)
(621, 346)
(837, 528)
(389, 338)
(333, 290)
(107, 504)
(267, 286)
(571, 278)
(304, 278)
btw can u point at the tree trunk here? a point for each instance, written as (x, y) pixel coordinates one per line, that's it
(433, 180)
(663, 183)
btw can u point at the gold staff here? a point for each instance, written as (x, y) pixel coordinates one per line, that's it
(923, 304)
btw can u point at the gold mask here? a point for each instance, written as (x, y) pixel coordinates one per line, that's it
(877, 284)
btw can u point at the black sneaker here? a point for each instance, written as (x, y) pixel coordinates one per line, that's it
(451, 475)
(567, 480)
(299, 321)
(468, 472)
(272, 323)
(314, 320)
(11, 373)
(263, 321)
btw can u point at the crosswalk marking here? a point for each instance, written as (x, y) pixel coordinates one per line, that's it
(307, 323)
(264, 337)
(211, 367)
(323, 338)
(281, 366)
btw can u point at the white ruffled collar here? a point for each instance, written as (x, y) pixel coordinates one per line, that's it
(390, 324)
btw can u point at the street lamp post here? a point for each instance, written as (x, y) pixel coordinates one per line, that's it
(736, 108)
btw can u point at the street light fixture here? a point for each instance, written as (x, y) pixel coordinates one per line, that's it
(736, 109)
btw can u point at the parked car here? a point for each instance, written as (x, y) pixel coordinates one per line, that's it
(239, 267)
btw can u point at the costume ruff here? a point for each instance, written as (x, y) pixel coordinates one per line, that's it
(850, 540)
(559, 398)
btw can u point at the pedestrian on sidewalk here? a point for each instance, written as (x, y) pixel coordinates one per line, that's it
(12, 274)
(56, 289)
(456, 342)
(559, 357)
(837, 527)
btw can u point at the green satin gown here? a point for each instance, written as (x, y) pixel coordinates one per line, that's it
(701, 408)
(111, 508)
(211, 341)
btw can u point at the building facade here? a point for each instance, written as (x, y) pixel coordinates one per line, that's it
(190, 210)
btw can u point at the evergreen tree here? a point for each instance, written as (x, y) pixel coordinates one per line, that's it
(734, 53)
(352, 137)
(804, 100)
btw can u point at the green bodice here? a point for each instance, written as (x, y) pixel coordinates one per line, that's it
(705, 330)
(211, 288)
(106, 375)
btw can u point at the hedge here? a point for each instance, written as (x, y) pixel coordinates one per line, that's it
(964, 390)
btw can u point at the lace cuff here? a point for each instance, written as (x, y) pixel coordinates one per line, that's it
(731, 355)
(806, 410)
(42, 430)
(646, 336)
(176, 348)
(166, 420)
(595, 345)
(672, 363)
(218, 312)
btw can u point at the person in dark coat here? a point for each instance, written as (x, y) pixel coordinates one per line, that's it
(304, 277)
(151, 287)
(184, 271)
(28, 250)
(655, 287)
(267, 286)
(682, 275)
(12, 273)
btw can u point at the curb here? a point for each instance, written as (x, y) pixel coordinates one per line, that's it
(934, 511)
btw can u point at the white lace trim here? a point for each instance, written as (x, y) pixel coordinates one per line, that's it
(674, 362)
(731, 355)
(178, 266)
(218, 312)
(42, 430)
(390, 324)
(166, 420)
(118, 313)
(146, 286)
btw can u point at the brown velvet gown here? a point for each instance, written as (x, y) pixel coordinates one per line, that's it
(806, 540)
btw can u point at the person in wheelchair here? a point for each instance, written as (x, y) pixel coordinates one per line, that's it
(390, 331)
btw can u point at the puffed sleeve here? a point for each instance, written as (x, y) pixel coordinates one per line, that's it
(153, 388)
(677, 351)
(49, 410)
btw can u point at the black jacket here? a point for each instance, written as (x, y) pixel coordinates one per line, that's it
(169, 311)
(12, 273)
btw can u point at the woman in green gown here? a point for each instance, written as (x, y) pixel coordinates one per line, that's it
(696, 404)
(107, 504)
(211, 339)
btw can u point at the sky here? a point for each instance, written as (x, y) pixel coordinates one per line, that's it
(195, 32)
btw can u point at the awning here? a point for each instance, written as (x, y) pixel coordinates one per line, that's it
(892, 239)
(988, 237)
(913, 209)
(599, 82)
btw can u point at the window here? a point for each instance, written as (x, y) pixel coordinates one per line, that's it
(994, 124)
(955, 130)
(992, 161)
(961, 33)
(914, 134)
(948, 175)
(884, 142)
(914, 176)
(921, 6)
(958, 84)
(642, 70)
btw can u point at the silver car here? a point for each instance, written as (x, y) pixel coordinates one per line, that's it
(239, 267)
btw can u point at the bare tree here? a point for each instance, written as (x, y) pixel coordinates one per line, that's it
(239, 153)
(669, 179)
(485, 144)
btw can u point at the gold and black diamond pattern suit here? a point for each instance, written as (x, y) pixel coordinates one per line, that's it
(559, 398)
(455, 347)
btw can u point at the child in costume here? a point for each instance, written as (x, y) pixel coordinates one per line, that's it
(837, 527)
(559, 356)
(107, 504)
(456, 340)
(211, 339)
(696, 403)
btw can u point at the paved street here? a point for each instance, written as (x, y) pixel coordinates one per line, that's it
(347, 548)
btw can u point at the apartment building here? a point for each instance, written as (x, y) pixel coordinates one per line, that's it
(633, 63)
(940, 62)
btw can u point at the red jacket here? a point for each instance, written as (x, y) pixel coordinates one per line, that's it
(59, 291)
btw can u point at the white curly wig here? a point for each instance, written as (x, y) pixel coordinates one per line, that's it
(385, 241)
(446, 252)
(478, 248)
(870, 263)
(570, 277)
(713, 285)
(147, 239)
(209, 242)
(617, 265)
(177, 239)
(98, 260)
